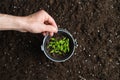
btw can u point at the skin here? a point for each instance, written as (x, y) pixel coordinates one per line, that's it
(39, 22)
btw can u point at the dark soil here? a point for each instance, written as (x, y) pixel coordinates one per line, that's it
(94, 23)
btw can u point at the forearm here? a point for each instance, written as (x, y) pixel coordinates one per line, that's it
(9, 22)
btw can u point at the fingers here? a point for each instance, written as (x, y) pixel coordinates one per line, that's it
(51, 34)
(50, 24)
(49, 19)
(45, 33)
(50, 28)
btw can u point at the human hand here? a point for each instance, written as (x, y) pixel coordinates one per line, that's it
(39, 22)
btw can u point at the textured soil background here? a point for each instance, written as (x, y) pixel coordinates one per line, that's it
(94, 23)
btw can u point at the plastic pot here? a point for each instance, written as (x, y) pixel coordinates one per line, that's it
(72, 45)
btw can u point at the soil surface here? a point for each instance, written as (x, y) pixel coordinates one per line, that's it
(94, 23)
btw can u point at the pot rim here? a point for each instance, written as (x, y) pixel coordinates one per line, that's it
(74, 43)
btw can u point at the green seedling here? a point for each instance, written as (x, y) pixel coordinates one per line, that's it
(59, 46)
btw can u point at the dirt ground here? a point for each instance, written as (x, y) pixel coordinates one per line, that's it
(94, 23)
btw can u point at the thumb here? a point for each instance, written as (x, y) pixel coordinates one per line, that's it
(50, 28)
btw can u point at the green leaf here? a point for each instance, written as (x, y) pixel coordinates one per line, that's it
(59, 46)
(52, 51)
(53, 39)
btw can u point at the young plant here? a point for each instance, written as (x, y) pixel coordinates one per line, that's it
(58, 46)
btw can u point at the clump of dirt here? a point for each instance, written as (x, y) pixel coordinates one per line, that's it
(94, 23)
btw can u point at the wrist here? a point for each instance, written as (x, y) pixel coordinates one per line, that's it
(22, 24)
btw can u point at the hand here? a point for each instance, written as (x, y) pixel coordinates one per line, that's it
(39, 22)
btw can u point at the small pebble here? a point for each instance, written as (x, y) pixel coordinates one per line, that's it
(47, 77)
(72, 4)
(10, 58)
(79, 72)
(74, 33)
(113, 66)
(84, 48)
(110, 41)
(82, 78)
(5, 65)
(94, 67)
(98, 30)
(15, 7)
(93, 75)
(117, 63)
(39, 62)
(26, 72)
(75, 53)
(70, 10)
(30, 71)
(86, 60)
(27, 9)
(81, 8)
(58, 25)
(91, 13)
(48, 65)
(79, 2)
(118, 36)
(118, 17)
(5, 53)
(67, 71)
(18, 58)
(30, 41)
(83, 39)
(89, 55)
(112, 6)
(48, 6)
(94, 56)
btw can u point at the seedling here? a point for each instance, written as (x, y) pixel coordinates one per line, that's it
(59, 46)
